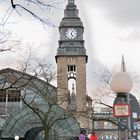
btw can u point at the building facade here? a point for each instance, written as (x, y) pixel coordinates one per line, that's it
(27, 103)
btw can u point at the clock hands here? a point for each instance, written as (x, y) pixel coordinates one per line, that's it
(71, 33)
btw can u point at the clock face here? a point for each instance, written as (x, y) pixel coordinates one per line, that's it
(71, 33)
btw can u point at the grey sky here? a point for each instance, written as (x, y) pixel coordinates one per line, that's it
(120, 12)
(111, 27)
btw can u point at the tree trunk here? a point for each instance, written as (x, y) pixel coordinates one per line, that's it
(46, 132)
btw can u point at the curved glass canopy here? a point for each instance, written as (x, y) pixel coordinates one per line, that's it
(25, 121)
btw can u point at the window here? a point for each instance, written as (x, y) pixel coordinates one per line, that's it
(10, 96)
(71, 44)
(71, 68)
(3, 96)
(9, 101)
(13, 95)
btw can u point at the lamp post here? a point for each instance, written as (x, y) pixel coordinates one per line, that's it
(16, 137)
(121, 84)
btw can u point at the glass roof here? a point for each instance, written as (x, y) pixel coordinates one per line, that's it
(25, 119)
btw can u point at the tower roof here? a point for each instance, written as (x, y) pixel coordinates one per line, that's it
(71, 9)
(71, 15)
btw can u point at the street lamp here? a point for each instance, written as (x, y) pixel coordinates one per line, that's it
(121, 81)
(16, 137)
(121, 84)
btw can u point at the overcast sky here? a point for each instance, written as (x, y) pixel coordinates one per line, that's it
(112, 28)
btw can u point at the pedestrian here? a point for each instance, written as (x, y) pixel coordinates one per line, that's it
(93, 136)
(82, 136)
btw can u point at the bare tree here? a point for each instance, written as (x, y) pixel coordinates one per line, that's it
(36, 8)
(37, 91)
(103, 88)
(40, 10)
(7, 42)
(103, 95)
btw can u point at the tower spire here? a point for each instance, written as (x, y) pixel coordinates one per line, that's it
(123, 67)
(73, 88)
(72, 104)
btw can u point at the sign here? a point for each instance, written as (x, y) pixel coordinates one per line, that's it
(122, 124)
(127, 98)
(121, 110)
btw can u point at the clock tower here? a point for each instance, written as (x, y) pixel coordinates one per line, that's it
(71, 59)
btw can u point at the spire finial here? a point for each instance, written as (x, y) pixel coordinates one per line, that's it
(123, 68)
(70, 1)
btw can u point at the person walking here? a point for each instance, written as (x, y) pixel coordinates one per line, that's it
(93, 136)
(82, 136)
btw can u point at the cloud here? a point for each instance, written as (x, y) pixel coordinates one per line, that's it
(120, 12)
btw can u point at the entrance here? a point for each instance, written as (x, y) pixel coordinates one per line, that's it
(33, 133)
